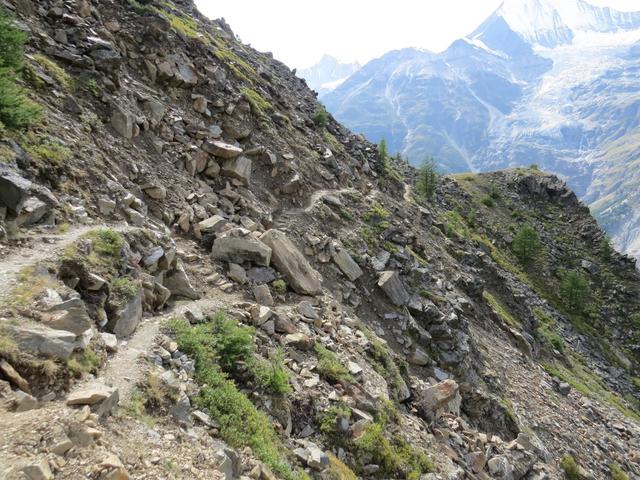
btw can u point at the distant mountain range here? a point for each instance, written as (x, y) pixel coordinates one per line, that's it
(327, 74)
(550, 82)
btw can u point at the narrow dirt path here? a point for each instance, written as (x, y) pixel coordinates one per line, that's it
(30, 255)
(286, 215)
(12, 264)
(408, 191)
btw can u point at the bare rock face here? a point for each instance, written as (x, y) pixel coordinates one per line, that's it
(24, 200)
(391, 283)
(300, 275)
(70, 315)
(210, 225)
(239, 246)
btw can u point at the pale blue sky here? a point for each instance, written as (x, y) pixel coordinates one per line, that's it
(299, 32)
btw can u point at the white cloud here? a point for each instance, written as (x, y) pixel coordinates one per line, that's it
(300, 32)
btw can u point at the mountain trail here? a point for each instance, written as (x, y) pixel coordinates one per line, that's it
(128, 367)
(32, 254)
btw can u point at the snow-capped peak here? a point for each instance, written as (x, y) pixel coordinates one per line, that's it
(537, 21)
(550, 23)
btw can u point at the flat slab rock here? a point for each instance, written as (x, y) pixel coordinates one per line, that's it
(90, 395)
(221, 149)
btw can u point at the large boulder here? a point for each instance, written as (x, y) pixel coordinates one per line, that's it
(70, 315)
(239, 246)
(221, 149)
(44, 341)
(102, 399)
(238, 168)
(391, 283)
(300, 275)
(33, 211)
(124, 320)
(14, 191)
(208, 226)
(122, 122)
(24, 200)
(348, 265)
(178, 283)
(435, 400)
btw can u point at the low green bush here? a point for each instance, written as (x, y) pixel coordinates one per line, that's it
(217, 346)
(272, 374)
(279, 286)
(17, 111)
(321, 117)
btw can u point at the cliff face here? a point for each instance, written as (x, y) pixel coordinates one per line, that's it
(187, 236)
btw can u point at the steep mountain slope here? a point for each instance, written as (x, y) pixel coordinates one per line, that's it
(264, 296)
(327, 74)
(544, 82)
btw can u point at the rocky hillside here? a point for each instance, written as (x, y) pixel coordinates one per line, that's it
(204, 276)
(546, 82)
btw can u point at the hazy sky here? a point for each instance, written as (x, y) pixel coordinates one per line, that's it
(299, 32)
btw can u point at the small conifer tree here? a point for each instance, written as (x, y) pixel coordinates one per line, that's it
(526, 245)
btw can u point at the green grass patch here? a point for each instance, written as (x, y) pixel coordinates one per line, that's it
(237, 65)
(396, 457)
(46, 150)
(570, 468)
(328, 420)
(547, 330)
(337, 470)
(105, 254)
(54, 70)
(455, 223)
(259, 106)
(86, 361)
(329, 367)
(272, 374)
(617, 473)
(588, 384)
(123, 289)
(502, 312)
(383, 362)
(488, 201)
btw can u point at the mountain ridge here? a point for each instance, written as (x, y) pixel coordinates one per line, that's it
(554, 95)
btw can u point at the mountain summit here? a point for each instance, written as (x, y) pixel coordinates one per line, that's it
(327, 74)
(544, 82)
